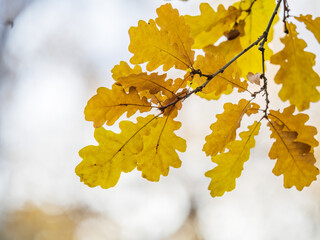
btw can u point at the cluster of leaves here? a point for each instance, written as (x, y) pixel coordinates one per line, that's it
(150, 143)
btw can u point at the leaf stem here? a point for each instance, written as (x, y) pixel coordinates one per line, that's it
(249, 9)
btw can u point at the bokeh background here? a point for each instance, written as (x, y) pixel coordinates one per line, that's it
(54, 54)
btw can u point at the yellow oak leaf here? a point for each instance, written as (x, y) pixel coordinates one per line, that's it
(172, 111)
(152, 83)
(256, 22)
(159, 150)
(299, 80)
(224, 129)
(179, 83)
(124, 70)
(169, 46)
(210, 25)
(229, 49)
(230, 164)
(223, 83)
(311, 24)
(109, 104)
(156, 88)
(295, 123)
(294, 159)
(102, 165)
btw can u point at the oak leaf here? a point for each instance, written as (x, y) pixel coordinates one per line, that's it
(256, 21)
(299, 80)
(210, 25)
(224, 129)
(102, 165)
(109, 104)
(159, 150)
(153, 83)
(148, 85)
(223, 83)
(230, 164)
(295, 123)
(229, 49)
(311, 24)
(168, 46)
(124, 70)
(294, 159)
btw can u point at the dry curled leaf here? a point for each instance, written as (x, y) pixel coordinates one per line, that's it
(254, 78)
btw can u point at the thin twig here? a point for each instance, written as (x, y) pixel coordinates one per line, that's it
(285, 15)
(265, 83)
(262, 49)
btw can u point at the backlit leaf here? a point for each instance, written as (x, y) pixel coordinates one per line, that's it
(222, 83)
(210, 25)
(153, 83)
(168, 46)
(224, 129)
(109, 104)
(311, 24)
(256, 22)
(229, 49)
(299, 80)
(116, 153)
(124, 70)
(159, 151)
(294, 159)
(296, 123)
(230, 164)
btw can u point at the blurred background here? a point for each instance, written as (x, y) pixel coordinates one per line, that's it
(54, 54)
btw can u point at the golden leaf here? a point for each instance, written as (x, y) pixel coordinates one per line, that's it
(223, 83)
(124, 70)
(209, 26)
(116, 153)
(224, 129)
(109, 104)
(230, 164)
(311, 24)
(295, 123)
(152, 83)
(256, 22)
(299, 80)
(168, 46)
(294, 159)
(159, 150)
(229, 49)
